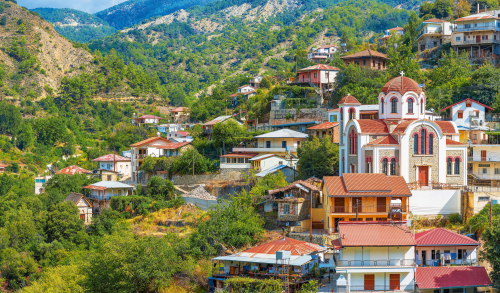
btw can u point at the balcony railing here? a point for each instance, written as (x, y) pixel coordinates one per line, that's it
(389, 288)
(475, 28)
(493, 141)
(366, 209)
(376, 263)
(454, 262)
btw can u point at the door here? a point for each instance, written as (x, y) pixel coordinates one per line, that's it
(369, 282)
(381, 205)
(339, 205)
(82, 217)
(394, 281)
(423, 175)
(478, 39)
(483, 156)
(424, 257)
(357, 204)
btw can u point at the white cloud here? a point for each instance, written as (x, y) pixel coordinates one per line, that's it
(90, 6)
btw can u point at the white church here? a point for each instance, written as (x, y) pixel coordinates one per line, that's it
(403, 139)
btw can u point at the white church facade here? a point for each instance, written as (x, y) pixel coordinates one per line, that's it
(403, 141)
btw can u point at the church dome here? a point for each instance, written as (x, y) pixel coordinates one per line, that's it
(402, 85)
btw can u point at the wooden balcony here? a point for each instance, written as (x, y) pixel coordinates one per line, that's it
(371, 209)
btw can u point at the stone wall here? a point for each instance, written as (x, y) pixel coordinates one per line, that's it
(424, 160)
(389, 154)
(298, 211)
(223, 175)
(455, 179)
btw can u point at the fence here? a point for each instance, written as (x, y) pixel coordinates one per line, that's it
(203, 204)
(434, 185)
(367, 209)
(452, 262)
(376, 263)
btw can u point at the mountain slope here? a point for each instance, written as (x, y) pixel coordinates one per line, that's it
(76, 25)
(134, 11)
(34, 58)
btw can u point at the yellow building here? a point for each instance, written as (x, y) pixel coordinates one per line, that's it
(364, 197)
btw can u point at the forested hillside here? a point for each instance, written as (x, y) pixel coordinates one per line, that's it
(76, 25)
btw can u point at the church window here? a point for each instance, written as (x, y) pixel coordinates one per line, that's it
(384, 166)
(341, 114)
(415, 144)
(422, 106)
(393, 166)
(422, 142)
(431, 143)
(352, 114)
(394, 105)
(382, 105)
(457, 166)
(448, 166)
(410, 105)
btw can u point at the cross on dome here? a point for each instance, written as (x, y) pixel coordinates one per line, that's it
(402, 73)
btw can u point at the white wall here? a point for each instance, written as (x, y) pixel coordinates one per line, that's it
(382, 280)
(471, 253)
(331, 116)
(465, 120)
(434, 202)
(332, 74)
(402, 106)
(123, 167)
(271, 162)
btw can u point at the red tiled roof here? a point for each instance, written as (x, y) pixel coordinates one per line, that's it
(246, 85)
(453, 142)
(234, 95)
(95, 187)
(384, 141)
(471, 17)
(179, 109)
(319, 67)
(149, 140)
(402, 85)
(173, 145)
(296, 247)
(111, 158)
(333, 110)
(3, 166)
(366, 184)
(327, 46)
(434, 20)
(372, 126)
(183, 133)
(326, 125)
(440, 236)
(401, 128)
(293, 185)
(375, 234)
(349, 100)
(336, 244)
(398, 28)
(365, 53)
(446, 126)
(467, 100)
(149, 117)
(448, 277)
(72, 170)
(239, 155)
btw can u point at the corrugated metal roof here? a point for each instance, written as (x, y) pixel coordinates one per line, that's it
(72, 170)
(111, 158)
(111, 184)
(440, 236)
(283, 133)
(451, 277)
(375, 234)
(272, 170)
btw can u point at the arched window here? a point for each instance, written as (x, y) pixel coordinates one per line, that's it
(410, 105)
(448, 166)
(393, 166)
(352, 114)
(457, 166)
(394, 105)
(431, 143)
(341, 114)
(352, 139)
(422, 142)
(384, 166)
(415, 144)
(422, 106)
(382, 106)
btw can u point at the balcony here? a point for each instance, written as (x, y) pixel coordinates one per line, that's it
(491, 141)
(475, 28)
(451, 262)
(376, 263)
(366, 209)
(263, 150)
(427, 33)
(475, 41)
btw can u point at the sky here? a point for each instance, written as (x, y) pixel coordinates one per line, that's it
(90, 6)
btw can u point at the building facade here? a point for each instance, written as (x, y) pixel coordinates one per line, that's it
(115, 163)
(433, 33)
(368, 59)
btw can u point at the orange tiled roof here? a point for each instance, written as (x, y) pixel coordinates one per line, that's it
(173, 145)
(296, 247)
(471, 17)
(179, 109)
(384, 140)
(372, 126)
(72, 170)
(375, 234)
(366, 184)
(434, 20)
(402, 126)
(440, 236)
(402, 85)
(453, 142)
(149, 140)
(239, 155)
(326, 125)
(398, 28)
(365, 53)
(111, 158)
(319, 67)
(446, 126)
(349, 100)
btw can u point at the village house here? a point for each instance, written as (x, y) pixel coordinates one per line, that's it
(280, 142)
(321, 76)
(326, 129)
(83, 204)
(433, 34)
(367, 58)
(375, 256)
(398, 31)
(364, 197)
(99, 194)
(245, 91)
(442, 247)
(240, 161)
(146, 119)
(143, 149)
(208, 127)
(255, 81)
(179, 136)
(265, 162)
(3, 167)
(180, 115)
(403, 141)
(323, 53)
(272, 260)
(168, 128)
(478, 35)
(452, 279)
(115, 163)
(174, 149)
(289, 172)
(72, 170)
(40, 183)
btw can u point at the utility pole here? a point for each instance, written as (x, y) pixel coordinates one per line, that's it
(439, 111)
(311, 217)
(246, 115)
(193, 166)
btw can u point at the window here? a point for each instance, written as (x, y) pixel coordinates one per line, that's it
(268, 144)
(435, 44)
(415, 144)
(433, 254)
(460, 253)
(422, 142)
(109, 177)
(241, 160)
(468, 104)
(234, 160)
(40, 180)
(382, 105)
(431, 144)
(448, 166)
(460, 115)
(483, 198)
(421, 106)
(315, 75)
(286, 209)
(352, 114)
(384, 166)
(393, 166)
(283, 144)
(484, 165)
(394, 105)
(364, 62)
(410, 105)
(497, 171)
(247, 160)
(223, 160)
(341, 114)
(457, 166)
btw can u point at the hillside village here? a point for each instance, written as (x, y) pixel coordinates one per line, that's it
(345, 162)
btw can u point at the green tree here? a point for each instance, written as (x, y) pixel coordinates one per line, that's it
(183, 164)
(17, 267)
(20, 226)
(160, 189)
(63, 223)
(105, 223)
(26, 137)
(411, 32)
(443, 8)
(490, 251)
(318, 157)
(228, 134)
(401, 59)
(61, 279)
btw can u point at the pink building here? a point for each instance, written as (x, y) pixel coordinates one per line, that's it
(318, 75)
